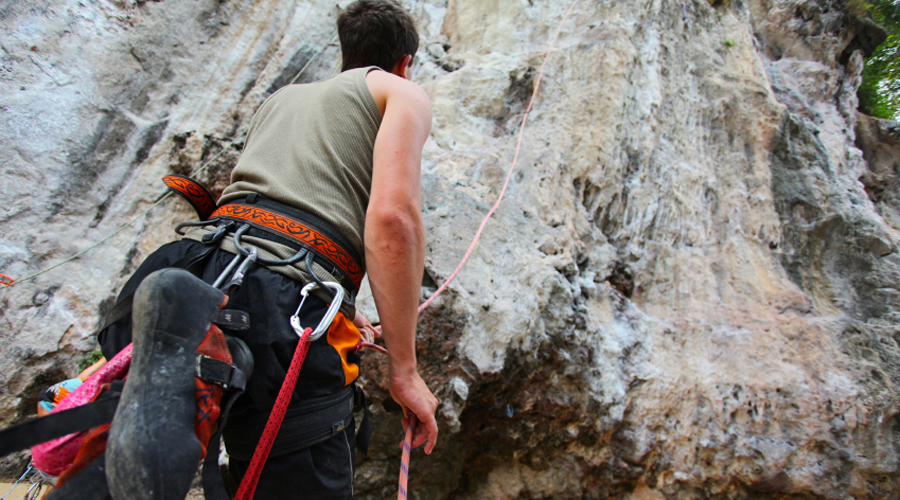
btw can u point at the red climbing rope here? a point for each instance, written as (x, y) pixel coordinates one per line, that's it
(248, 483)
(6, 280)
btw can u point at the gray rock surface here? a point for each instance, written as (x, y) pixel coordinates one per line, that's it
(689, 291)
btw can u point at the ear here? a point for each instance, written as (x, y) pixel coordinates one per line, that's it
(402, 67)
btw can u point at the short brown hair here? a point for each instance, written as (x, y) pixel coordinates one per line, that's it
(376, 33)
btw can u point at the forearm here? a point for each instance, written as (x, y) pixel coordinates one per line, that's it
(395, 258)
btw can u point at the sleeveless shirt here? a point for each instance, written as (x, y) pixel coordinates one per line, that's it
(310, 146)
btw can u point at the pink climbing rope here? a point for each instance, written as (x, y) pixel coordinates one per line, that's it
(251, 478)
(404, 460)
(537, 84)
(374, 347)
(407, 443)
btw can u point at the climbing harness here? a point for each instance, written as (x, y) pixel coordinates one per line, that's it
(307, 335)
(313, 241)
(256, 216)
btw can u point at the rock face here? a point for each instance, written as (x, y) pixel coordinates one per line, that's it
(689, 291)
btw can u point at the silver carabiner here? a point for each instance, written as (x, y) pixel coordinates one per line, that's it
(329, 315)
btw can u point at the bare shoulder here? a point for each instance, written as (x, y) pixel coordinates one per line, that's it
(391, 90)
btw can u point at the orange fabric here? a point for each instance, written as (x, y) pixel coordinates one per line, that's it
(344, 337)
(208, 395)
(93, 446)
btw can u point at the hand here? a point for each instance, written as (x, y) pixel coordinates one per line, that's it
(368, 332)
(410, 392)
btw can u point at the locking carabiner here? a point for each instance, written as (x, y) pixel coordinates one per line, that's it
(329, 315)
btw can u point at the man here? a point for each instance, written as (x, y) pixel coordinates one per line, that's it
(343, 155)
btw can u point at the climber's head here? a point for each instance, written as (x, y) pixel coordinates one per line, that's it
(377, 33)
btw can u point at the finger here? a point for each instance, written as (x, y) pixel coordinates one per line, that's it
(419, 437)
(432, 429)
(426, 432)
(419, 441)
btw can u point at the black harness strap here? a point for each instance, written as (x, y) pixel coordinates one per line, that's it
(219, 372)
(304, 425)
(364, 433)
(43, 429)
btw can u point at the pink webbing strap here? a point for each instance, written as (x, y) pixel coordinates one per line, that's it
(404, 461)
(248, 484)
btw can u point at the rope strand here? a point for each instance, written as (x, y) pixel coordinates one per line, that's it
(404, 460)
(487, 217)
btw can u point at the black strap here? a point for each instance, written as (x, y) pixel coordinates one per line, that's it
(304, 425)
(43, 429)
(364, 433)
(219, 372)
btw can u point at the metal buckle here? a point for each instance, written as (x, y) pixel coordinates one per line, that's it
(333, 308)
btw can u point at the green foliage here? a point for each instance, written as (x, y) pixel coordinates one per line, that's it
(879, 93)
(91, 358)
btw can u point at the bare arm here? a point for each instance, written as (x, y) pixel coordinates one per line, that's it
(395, 240)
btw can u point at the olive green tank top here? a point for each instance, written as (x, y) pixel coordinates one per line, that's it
(310, 146)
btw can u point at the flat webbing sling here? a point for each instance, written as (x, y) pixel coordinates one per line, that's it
(81, 418)
(43, 429)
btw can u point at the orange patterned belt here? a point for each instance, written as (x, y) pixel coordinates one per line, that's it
(297, 231)
(195, 193)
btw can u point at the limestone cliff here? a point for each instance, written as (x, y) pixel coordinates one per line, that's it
(690, 290)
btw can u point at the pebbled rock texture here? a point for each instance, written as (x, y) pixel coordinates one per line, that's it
(690, 290)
